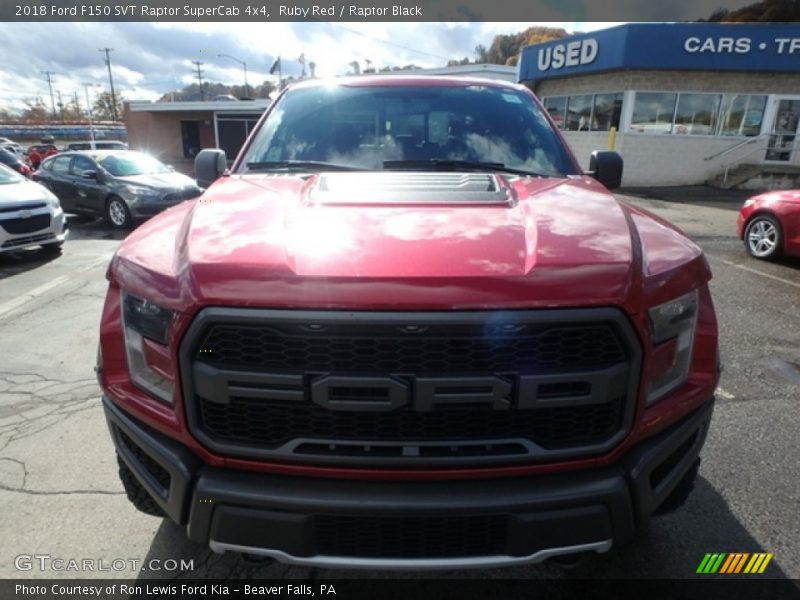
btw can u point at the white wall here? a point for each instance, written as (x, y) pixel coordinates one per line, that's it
(666, 160)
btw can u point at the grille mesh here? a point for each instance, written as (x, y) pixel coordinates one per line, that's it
(561, 347)
(270, 424)
(411, 537)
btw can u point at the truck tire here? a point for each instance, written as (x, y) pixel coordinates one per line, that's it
(137, 495)
(680, 494)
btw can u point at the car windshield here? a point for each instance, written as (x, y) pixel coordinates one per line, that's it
(9, 176)
(130, 163)
(391, 127)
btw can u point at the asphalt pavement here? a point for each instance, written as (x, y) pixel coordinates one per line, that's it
(61, 496)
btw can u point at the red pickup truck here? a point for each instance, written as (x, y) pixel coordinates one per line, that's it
(405, 330)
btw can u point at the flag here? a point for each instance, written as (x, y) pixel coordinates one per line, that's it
(276, 66)
(302, 59)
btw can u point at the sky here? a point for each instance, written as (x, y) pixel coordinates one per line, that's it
(152, 58)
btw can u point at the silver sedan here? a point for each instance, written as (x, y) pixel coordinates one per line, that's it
(30, 215)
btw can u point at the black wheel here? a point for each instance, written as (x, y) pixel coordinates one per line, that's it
(137, 495)
(52, 248)
(680, 494)
(763, 237)
(117, 213)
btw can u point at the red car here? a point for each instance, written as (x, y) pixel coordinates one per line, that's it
(769, 224)
(406, 330)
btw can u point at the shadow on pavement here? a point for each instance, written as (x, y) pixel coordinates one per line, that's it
(89, 228)
(669, 547)
(694, 194)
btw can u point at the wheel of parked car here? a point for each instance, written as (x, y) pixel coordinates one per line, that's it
(117, 213)
(763, 237)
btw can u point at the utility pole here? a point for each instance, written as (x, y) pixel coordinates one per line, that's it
(111, 82)
(86, 87)
(60, 106)
(200, 79)
(48, 75)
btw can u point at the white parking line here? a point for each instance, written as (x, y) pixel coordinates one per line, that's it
(723, 394)
(41, 290)
(756, 272)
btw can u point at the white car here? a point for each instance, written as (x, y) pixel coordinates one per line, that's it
(30, 215)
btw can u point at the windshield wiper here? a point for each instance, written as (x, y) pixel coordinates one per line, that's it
(305, 165)
(446, 163)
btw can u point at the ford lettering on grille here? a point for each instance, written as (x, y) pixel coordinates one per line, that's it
(376, 388)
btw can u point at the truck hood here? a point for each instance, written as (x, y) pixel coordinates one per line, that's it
(402, 240)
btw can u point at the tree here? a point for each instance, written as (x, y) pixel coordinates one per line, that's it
(103, 107)
(35, 112)
(505, 49)
(772, 11)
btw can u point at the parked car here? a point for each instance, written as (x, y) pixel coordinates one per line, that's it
(11, 146)
(408, 331)
(96, 145)
(119, 185)
(13, 161)
(30, 215)
(769, 224)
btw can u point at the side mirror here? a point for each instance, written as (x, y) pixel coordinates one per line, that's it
(89, 174)
(606, 167)
(209, 165)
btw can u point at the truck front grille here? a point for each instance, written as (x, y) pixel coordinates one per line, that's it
(410, 388)
(412, 537)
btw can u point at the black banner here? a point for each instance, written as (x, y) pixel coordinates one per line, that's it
(358, 10)
(728, 588)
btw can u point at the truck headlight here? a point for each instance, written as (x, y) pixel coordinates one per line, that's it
(145, 322)
(673, 324)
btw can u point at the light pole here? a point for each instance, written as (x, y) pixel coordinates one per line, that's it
(244, 66)
(86, 87)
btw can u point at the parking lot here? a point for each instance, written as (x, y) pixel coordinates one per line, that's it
(62, 497)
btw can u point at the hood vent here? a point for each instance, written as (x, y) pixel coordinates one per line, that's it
(392, 187)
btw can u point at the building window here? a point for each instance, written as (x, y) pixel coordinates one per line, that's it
(557, 107)
(607, 110)
(741, 114)
(653, 112)
(233, 129)
(696, 114)
(579, 113)
(190, 138)
(585, 112)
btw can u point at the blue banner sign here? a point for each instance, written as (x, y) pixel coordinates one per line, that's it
(678, 46)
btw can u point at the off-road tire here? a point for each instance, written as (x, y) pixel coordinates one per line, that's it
(137, 495)
(680, 494)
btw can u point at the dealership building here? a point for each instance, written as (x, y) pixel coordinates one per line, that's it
(691, 103)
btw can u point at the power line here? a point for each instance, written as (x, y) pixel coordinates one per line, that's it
(111, 82)
(200, 78)
(408, 49)
(48, 75)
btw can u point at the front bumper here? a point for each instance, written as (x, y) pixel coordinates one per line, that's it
(418, 524)
(55, 232)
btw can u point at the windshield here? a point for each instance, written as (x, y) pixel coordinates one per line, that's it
(130, 163)
(365, 127)
(9, 176)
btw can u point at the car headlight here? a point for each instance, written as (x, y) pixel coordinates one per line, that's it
(749, 202)
(673, 324)
(143, 320)
(138, 190)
